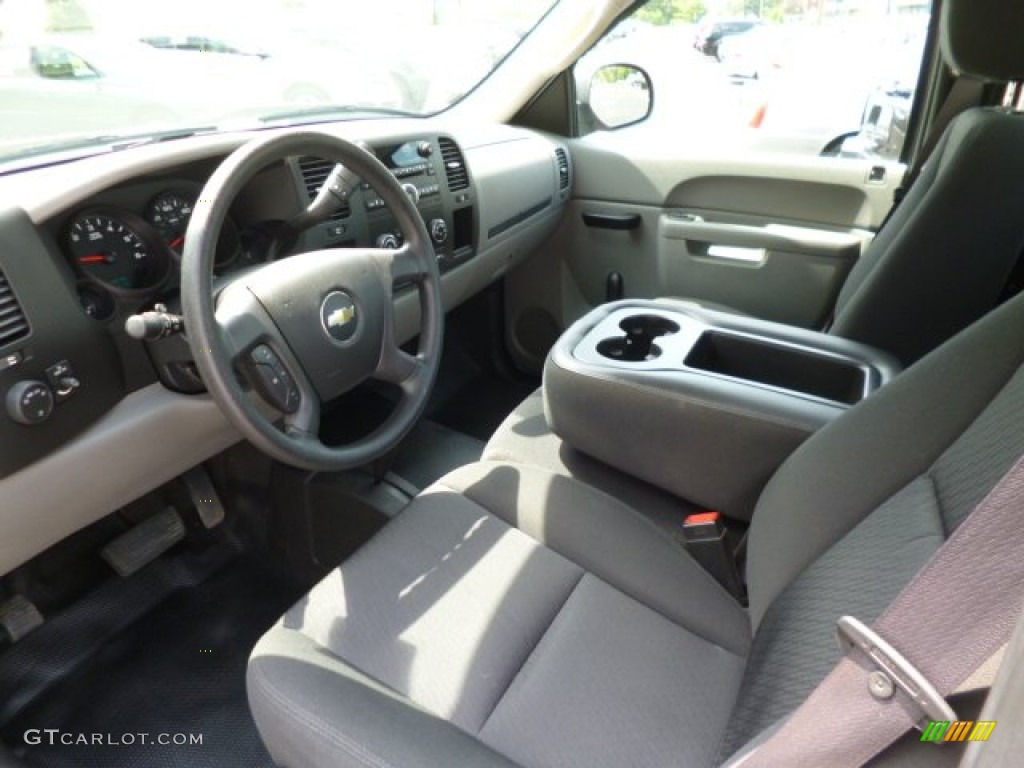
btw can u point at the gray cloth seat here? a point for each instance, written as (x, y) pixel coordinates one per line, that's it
(524, 437)
(944, 257)
(514, 616)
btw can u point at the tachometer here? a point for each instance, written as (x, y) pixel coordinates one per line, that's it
(170, 211)
(112, 248)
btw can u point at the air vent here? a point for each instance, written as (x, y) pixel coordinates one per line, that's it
(454, 165)
(13, 323)
(315, 171)
(563, 168)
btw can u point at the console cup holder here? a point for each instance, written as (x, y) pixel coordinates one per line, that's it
(638, 343)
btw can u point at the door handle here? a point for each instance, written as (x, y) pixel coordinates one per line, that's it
(619, 221)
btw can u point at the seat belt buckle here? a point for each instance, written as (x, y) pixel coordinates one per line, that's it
(892, 671)
(704, 537)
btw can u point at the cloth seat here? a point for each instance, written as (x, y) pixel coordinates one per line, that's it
(524, 437)
(514, 616)
(497, 631)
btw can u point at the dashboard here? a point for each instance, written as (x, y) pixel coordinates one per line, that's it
(85, 245)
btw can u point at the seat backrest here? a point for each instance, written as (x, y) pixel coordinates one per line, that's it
(943, 258)
(859, 508)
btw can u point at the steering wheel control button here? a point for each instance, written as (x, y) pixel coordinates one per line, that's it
(273, 381)
(30, 402)
(263, 354)
(339, 316)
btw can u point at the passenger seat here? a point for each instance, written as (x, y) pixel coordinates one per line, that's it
(942, 261)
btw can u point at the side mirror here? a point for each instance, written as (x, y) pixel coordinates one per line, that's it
(619, 95)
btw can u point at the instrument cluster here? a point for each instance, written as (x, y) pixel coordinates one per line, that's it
(118, 254)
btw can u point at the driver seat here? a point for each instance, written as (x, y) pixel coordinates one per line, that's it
(515, 617)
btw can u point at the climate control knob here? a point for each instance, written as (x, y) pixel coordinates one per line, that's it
(388, 240)
(29, 402)
(438, 231)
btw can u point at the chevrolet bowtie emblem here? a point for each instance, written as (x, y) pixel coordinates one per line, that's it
(341, 317)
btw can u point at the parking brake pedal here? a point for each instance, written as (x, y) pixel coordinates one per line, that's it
(204, 496)
(145, 542)
(18, 617)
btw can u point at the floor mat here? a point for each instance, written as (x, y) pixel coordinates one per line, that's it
(471, 399)
(175, 674)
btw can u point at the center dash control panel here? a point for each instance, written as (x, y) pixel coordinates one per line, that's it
(433, 172)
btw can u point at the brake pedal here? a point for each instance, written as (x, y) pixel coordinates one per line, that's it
(144, 543)
(18, 617)
(204, 496)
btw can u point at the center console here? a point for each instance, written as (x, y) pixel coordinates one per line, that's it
(701, 403)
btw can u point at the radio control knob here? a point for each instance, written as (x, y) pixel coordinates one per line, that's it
(438, 231)
(29, 402)
(388, 240)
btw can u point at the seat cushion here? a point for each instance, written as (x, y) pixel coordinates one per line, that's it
(483, 645)
(524, 437)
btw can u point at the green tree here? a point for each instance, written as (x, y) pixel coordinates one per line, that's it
(769, 10)
(663, 12)
(690, 10)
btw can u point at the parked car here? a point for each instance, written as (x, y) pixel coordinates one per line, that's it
(883, 129)
(110, 82)
(759, 52)
(825, 89)
(294, 69)
(710, 33)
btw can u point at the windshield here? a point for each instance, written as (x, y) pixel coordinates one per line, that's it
(87, 72)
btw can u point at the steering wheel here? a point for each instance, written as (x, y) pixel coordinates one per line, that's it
(305, 329)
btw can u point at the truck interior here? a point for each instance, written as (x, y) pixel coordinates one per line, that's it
(530, 429)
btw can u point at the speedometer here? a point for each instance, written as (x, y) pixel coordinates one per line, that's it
(112, 248)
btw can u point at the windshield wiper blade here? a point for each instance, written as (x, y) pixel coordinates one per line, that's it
(327, 113)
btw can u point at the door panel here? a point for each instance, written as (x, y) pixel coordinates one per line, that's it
(778, 272)
(770, 236)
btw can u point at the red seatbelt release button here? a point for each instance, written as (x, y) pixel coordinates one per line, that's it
(704, 536)
(702, 526)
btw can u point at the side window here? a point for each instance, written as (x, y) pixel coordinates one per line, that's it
(804, 77)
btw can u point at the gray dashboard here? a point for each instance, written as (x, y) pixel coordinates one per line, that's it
(120, 418)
